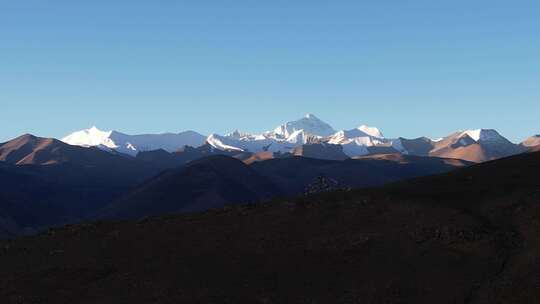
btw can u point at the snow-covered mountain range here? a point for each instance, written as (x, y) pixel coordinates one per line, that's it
(133, 144)
(473, 145)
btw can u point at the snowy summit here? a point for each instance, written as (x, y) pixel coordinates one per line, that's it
(133, 144)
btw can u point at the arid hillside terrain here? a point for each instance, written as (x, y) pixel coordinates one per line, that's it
(469, 236)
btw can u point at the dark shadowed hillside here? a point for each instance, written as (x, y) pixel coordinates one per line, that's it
(56, 183)
(293, 174)
(469, 236)
(208, 183)
(31, 150)
(46, 182)
(216, 181)
(183, 156)
(320, 151)
(18, 204)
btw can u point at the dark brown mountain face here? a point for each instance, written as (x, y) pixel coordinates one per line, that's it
(469, 236)
(212, 182)
(381, 150)
(320, 151)
(263, 156)
(419, 146)
(293, 174)
(417, 160)
(67, 184)
(167, 160)
(161, 158)
(462, 146)
(219, 180)
(23, 149)
(32, 150)
(489, 145)
(533, 141)
(46, 182)
(18, 206)
(532, 144)
(534, 149)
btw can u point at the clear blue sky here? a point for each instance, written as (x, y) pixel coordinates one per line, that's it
(410, 68)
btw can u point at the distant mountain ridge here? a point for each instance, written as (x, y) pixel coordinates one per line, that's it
(219, 180)
(44, 182)
(207, 183)
(133, 144)
(468, 236)
(477, 145)
(309, 124)
(532, 143)
(32, 150)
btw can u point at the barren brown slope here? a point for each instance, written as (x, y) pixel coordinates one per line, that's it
(533, 141)
(263, 156)
(489, 146)
(211, 182)
(46, 182)
(535, 149)
(17, 150)
(338, 249)
(320, 151)
(167, 160)
(470, 236)
(532, 144)
(32, 150)
(472, 153)
(411, 159)
(505, 194)
(493, 178)
(294, 174)
(419, 146)
(216, 181)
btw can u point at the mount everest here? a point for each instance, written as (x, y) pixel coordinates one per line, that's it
(471, 145)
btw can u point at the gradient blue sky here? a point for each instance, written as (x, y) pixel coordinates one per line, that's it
(410, 68)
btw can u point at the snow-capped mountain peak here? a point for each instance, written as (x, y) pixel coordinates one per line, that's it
(474, 145)
(90, 138)
(235, 134)
(225, 143)
(133, 144)
(371, 131)
(483, 135)
(298, 137)
(310, 124)
(355, 142)
(345, 136)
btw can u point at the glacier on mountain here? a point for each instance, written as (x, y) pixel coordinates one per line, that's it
(309, 129)
(483, 135)
(310, 124)
(133, 144)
